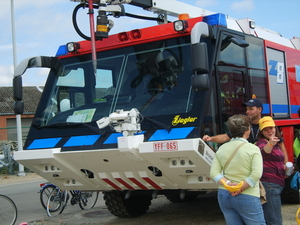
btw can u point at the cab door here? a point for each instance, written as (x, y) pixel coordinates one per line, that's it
(280, 107)
(231, 77)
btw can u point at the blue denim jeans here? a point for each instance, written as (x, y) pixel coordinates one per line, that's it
(272, 208)
(240, 209)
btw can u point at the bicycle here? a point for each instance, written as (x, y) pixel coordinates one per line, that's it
(45, 191)
(58, 199)
(8, 211)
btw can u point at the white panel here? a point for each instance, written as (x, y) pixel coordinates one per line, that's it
(232, 24)
(274, 38)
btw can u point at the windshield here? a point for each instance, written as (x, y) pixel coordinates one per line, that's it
(153, 78)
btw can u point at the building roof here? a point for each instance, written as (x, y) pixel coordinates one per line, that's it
(31, 97)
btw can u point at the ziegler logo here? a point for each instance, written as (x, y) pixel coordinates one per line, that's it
(177, 119)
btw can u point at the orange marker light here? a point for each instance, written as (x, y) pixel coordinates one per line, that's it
(184, 16)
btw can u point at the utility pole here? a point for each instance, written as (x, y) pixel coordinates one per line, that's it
(18, 117)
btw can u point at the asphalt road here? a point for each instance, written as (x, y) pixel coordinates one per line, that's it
(27, 199)
(204, 210)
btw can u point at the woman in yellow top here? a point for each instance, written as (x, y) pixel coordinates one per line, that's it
(238, 194)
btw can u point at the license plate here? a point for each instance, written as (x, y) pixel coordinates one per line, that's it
(165, 146)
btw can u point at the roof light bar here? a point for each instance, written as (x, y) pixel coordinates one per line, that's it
(62, 50)
(218, 19)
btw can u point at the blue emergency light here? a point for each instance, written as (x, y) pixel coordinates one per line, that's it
(218, 19)
(62, 50)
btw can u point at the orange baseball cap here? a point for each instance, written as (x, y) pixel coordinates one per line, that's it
(266, 121)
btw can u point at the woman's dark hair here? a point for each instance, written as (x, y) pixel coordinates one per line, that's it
(261, 136)
(238, 125)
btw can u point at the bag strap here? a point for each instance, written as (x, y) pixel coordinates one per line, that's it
(232, 155)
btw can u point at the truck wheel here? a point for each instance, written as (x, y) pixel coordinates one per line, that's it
(288, 194)
(134, 206)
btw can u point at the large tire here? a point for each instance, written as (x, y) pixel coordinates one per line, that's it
(134, 206)
(288, 194)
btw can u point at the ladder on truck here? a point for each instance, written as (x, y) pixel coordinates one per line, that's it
(161, 7)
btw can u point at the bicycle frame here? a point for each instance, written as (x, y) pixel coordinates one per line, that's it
(57, 198)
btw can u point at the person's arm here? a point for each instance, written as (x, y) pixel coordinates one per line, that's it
(256, 171)
(216, 169)
(221, 138)
(216, 172)
(256, 168)
(283, 149)
(267, 145)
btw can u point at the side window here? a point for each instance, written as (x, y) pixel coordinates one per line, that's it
(70, 88)
(104, 84)
(231, 71)
(278, 83)
(72, 78)
(256, 69)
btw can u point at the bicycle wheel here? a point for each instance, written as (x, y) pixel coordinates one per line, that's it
(88, 199)
(55, 201)
(45, 193)
(66, 198)
(8, 211)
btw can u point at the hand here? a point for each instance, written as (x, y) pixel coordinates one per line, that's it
(232, 188)
(236, 193)
(206, 138)
(273, 140)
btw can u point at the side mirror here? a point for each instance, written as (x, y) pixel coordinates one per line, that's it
(38, 61)
(200, 82)
(19, 107)
(240, 42)
(18, 95)
(199, 58)
(17, 88)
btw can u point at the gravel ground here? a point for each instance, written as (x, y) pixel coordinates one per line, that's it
(9, 179)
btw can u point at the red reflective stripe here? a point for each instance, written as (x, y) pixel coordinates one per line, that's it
(124, 183)
(138, 183)
(152, 183)
(111, 184)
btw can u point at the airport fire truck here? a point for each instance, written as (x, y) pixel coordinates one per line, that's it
(124, 113)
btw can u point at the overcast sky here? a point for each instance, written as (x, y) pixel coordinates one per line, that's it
(41, 26)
